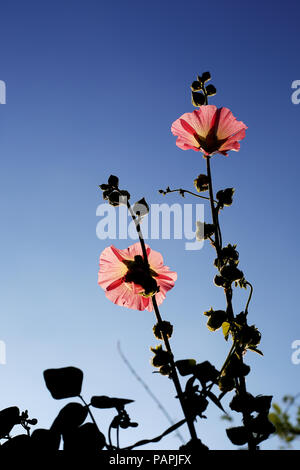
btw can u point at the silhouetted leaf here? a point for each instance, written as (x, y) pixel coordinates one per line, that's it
(65, 382)
(261, 425)
(196, 404)
(113, 181)
(8, 418)
(18, 445)
(45, 440)
(196, 86)
(185, 366)
(238, 436)
(205, 77)
(141, 208)
(225, 197)
(108, 402)
(206, 372)
(225, 329)
(258, 351)
(86, 438)
(215, 400)
(211, 90)
(242, 402)
(69, 417)
(198, 99)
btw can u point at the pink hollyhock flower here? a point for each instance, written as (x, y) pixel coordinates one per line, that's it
(126, 282)
(209, 130)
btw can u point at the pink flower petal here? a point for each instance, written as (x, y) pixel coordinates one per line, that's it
(209, 130)
(112, 273)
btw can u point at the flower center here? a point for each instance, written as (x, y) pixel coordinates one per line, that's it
(210, 143)
(142, 275)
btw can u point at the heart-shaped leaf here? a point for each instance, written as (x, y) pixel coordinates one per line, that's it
(65, 382)
(86, 438)
(70, 416)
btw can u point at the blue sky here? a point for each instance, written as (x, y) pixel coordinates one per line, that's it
(92, 89)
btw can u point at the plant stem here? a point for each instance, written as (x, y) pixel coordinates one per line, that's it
(149, 391)
(213, 209)
(89, 411)
(174, 375)
(249, 298)
(179, 190)
(241, 388)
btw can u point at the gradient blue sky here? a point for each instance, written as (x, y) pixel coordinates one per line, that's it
(92, 89)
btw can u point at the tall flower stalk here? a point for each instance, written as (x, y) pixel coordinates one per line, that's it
(144, 276)
(215, 131)
(131, 278)
(173, 373)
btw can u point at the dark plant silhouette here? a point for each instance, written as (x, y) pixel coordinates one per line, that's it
(137, 278)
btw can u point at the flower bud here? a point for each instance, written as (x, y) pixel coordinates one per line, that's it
(230, 254)
(224, 197)
(205, 77)
(242, 403)
(201, 183)
(239, 435)
(249, 336)
(198, 99)
(216, 319)
(210, 90)
(164, 326)
(196, 404)
(226, 384)
(204, 230)
(113, 181)
(262, 403)
(196, 86)
(161, 357)
(215, 322)
(236, 367)
(165, 370)
(220, 281)
(114, 198)
(232, 273)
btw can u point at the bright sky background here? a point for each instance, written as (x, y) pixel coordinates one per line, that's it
(92, 89)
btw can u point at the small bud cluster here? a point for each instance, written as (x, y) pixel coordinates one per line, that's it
(200, 92)
(113, 194)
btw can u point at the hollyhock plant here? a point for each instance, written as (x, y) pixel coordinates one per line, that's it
(128, 282)
(209, 130)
